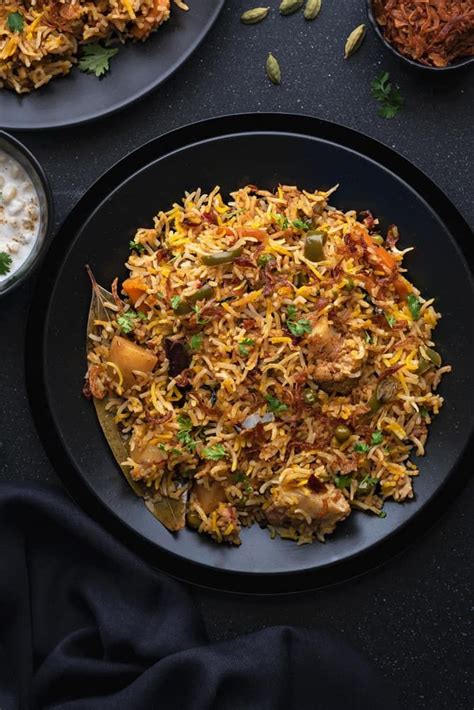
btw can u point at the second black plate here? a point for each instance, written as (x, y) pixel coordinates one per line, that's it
(263, 150)
(137, 69)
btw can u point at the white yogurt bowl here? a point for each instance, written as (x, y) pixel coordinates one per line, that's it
(26, 212)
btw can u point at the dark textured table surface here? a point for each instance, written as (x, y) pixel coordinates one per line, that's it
(410, 616)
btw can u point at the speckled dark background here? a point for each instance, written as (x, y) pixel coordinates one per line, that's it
(410, 616)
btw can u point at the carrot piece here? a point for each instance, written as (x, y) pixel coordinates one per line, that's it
(382, 254)
(134, 288)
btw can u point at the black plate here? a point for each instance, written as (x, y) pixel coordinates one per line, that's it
(233, 151)
(136, 70)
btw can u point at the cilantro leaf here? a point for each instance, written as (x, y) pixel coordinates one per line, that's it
(184, 434)
(5, 263)
(175, 301)
(296, 327)
(199, 320)
(95, 58)
(342, 481)
(244, 346)
(195, 342)
(214, 453)
(391, 320)
(264, 259)
(377, 438)
(282, 221)
(242, 478)
(136, 246)
(424, 412)
(15, 22)
(389, 97)
(414, 306)
(299, 327)
(382, 514)
(274, 404)
(367, 483)
(126, 321)
(361, 447)
(301, 224)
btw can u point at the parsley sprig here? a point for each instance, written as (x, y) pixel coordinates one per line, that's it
(296, 327)
(214, 453)
(96, 58)
(184, 434)
(136, 246)
(127, 321)
(5, 263)
(274, 405)
(414, 306)
(389, 97)
(245, 345)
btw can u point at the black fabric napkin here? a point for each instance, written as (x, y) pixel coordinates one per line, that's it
(86, 625)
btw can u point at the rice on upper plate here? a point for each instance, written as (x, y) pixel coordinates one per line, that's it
(267, 362)
(53, 31)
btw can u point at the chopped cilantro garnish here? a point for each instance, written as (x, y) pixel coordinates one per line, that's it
(244, 346)
(263, 259)
(214, 453)
(274, 405)
(199, 320)
(184, 434)
(126, 320)
(361, 447)
(382, 514)
(424, 412)
(368, 337)
(282, 221)
(195, 342)
(242, 478)
(5, 263)
(301, 224)
(367, 482)
(390, 99)
(414, 306)
(391, 320)
(342, 481)
(377, 438)
(136, 246)
(15, 22)
(175, 301)
(95, 58)
(296, 327)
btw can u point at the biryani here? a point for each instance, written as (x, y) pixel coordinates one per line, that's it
(266, 361)
(42, 39)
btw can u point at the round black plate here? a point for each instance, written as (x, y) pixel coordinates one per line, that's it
(233, 151)
(136, 70)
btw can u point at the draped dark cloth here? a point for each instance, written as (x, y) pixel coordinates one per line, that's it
(87, 625)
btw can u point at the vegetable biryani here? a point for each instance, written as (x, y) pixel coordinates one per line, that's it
(41, 39)
(266, 362)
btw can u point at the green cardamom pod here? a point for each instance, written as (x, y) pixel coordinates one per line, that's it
(257, 14)
(354, 41)
(273, 69)
(287, 7)
(312, 9)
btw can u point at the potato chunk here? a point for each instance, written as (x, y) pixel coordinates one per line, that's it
(129, 357)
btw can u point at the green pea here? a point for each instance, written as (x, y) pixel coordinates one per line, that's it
(221, 257)
(342, 433)
(309, 396)
(314, 246)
